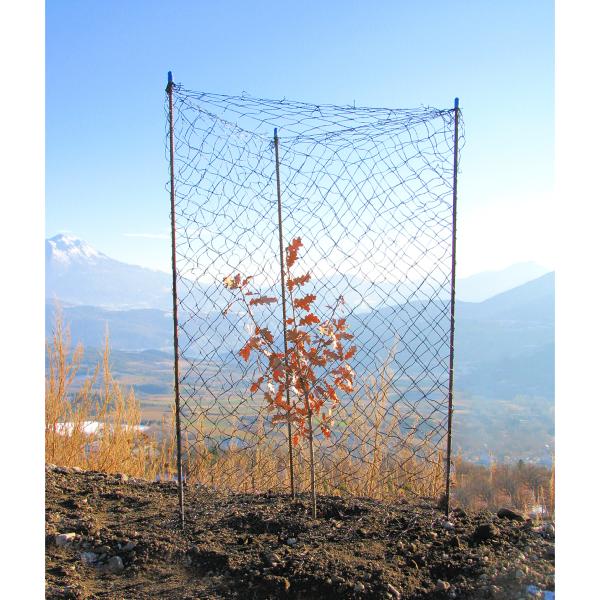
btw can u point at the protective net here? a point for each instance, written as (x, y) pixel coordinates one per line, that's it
(369, 192)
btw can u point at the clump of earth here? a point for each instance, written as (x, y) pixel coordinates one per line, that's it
(109, 536)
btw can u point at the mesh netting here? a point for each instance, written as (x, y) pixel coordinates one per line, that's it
(369, 191)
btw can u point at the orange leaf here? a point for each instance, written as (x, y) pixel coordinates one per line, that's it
(292, 252)
(262, 300)
(297, 281)
(256, 385)
(265, 334)
(245, 351)
(304, 303)
(310, 319)
(232, 282)
(350, 353)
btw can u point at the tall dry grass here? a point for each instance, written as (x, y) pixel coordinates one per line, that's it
(117, 444)
(368, 457)
(522, 486)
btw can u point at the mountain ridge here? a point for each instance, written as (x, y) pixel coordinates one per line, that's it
(78, 274)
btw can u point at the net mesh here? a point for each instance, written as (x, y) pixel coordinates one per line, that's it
(369, 191)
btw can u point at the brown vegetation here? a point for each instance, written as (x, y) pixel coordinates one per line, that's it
(119, 445)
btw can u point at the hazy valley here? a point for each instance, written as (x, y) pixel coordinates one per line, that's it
(504, 378)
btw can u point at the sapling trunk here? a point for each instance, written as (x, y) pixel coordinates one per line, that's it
(311, 450)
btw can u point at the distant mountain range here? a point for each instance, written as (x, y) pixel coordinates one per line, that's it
(504, 342)
(77, 274)
(482, 286)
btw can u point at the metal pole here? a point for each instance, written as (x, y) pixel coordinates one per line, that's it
(169, 91)
(283, 311)
(452, 304)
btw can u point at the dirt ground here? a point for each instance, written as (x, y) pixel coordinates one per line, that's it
(126, 543)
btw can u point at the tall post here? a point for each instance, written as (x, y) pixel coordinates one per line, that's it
(452, 305)
(169, 91)
(283, 311)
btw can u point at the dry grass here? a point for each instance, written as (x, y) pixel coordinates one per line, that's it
(118, 444)
(522, 486)
(367, 458)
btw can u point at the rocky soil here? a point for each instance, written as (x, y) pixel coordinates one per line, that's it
(109, 536)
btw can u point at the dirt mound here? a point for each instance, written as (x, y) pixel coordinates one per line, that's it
(126, 544)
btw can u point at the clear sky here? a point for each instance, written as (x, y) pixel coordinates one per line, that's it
(106, 66)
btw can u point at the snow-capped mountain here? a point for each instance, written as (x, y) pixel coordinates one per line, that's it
(77, 273)
(64, 249)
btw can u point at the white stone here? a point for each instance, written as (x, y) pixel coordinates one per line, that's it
(115, 564)
(64, 539)
(89, 558)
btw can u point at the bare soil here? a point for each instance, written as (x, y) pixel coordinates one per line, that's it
(266, 546)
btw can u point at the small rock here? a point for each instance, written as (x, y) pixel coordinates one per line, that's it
(447, 525)
(64, 539)
(104, 549)
(484, 532)
(362, 532)
(442, 586)
(123, 477)
(548, 529)
(512, 515)
(129, 546)
(291, 541)
(115, 564)
(76, 469)
(359, 587)
(89, 558)
(272, 559)
(392, 590)
(519, 573)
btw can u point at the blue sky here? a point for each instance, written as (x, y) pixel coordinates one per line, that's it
(106, 65)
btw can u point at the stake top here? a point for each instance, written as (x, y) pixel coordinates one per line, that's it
(455, 102)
